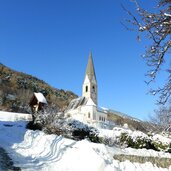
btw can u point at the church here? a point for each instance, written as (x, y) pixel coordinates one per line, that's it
(86, 107)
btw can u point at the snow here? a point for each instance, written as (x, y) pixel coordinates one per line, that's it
(165, 140)
(11, 116)
(40, 97)
(142, 28)
(40, 151)
(35, 150)
(168, 15)
(80, 101)
(76, 103)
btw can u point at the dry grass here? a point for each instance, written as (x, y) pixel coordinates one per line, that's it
(132, 124)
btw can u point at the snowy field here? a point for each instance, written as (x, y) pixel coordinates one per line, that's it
(34, 150)
(11, 116)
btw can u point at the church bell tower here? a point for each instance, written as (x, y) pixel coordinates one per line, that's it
(89, 88)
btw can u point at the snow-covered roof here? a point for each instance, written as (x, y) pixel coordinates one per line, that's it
(76, 103)
(80, 101)
(40, 97)
(102, 109)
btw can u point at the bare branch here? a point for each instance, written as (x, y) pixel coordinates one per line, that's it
(157, 27)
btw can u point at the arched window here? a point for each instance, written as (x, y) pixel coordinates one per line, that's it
(86, 88)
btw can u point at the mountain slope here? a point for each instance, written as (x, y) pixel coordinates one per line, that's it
(17, 88)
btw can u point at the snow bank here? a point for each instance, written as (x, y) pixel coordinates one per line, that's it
(11, 116)
(35, 150)
(40, 151)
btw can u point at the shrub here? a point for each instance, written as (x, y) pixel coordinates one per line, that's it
(160, 146)
(34, 126)
(136, 142)
(53, 122)
(143, 142)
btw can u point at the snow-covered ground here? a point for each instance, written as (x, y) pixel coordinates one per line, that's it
(35, 150)
(11, 116)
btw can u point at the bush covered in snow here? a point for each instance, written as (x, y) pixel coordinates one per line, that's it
(71, 128)
(53, 122)
(135, 139)
(147, 141)
(136, 142)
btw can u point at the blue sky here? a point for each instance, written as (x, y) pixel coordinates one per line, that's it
(51, 39)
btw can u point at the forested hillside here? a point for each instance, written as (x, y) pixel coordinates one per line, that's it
(17, 88)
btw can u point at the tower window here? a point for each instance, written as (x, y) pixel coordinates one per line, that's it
(93, 89)
(86, 89)
(88, 115)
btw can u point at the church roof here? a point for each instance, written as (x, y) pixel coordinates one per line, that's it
(80, 101)
(90, 72)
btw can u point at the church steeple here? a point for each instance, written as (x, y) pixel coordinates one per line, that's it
(90, 82)
(90, 72)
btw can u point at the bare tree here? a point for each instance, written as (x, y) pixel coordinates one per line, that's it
(157, 26)
(162, 118)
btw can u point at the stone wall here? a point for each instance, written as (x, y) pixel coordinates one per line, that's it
(158, 161)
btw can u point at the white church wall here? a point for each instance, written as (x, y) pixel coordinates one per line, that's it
(88, 112)
(101, 116)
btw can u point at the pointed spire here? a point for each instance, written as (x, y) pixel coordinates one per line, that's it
(90, 72)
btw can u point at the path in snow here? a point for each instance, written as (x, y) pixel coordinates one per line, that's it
(35, 150)
(6, 162)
